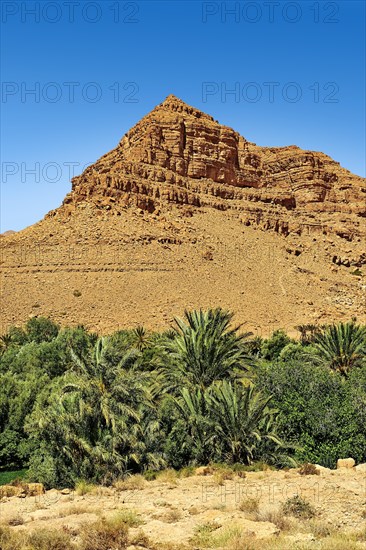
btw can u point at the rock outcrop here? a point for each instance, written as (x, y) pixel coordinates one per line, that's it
(178, 154)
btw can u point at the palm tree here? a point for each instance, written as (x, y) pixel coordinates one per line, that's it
(243, 420)
(308, 332)
(140, 338)
(206, 348)
(192, 406)
(108, 402)
(5, 342)
(342, 347)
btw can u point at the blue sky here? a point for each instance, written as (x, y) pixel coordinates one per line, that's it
(296, 69)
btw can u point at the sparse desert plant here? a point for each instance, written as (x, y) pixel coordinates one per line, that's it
(228, 536)
(298, 507)
(220, 476)
(320, 529)
(203, 533)
(75, 509)
(308, 469)
(173, 515)
(187, 471)
(168, 476)
(131, 483)
(249, 505)
(162, 503)
(49, 539)
(77, 293)
(104, 535)
(275, 516)
(140, 539)
(82, 487)
(127, 517)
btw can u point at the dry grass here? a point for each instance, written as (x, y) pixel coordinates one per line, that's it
(203, 534)
(84, 488)
(42, 539)
(173, 515)
(132, 483)
(188, 471)
(276, 517)
(222, 475)
(76, 509)
(308, 469)
(320, 529)
(140, 539)
(162, 503)
(249, 506)
(168, 476)
(104, 535)
(128, 517)
(50, 539)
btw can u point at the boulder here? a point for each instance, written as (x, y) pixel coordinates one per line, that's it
(361, 468)
(9, 491)
(345, 463)
(33, 489)
(204, 471)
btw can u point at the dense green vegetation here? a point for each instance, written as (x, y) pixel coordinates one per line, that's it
(74, 405)
(7, 477)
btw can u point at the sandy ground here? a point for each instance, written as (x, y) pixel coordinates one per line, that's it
(176, 511)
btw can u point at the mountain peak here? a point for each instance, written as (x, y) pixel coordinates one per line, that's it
(174, 104)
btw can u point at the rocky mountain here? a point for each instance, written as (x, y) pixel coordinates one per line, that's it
(178, 154)
(185, 212)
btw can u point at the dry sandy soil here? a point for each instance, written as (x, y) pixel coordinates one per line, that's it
(211, 512)
(139, 268)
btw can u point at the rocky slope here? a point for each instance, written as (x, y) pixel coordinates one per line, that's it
(185, 212)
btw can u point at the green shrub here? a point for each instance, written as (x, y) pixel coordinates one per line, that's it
(272, 347)
(298, 507)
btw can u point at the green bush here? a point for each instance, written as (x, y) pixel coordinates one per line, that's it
(272, 347)
(298, 507)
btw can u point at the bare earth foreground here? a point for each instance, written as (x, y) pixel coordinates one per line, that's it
(210, 511)
(186, 213)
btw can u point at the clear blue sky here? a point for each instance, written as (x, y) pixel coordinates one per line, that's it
(303, 62)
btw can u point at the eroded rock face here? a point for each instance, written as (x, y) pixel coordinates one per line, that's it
(178, 154)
